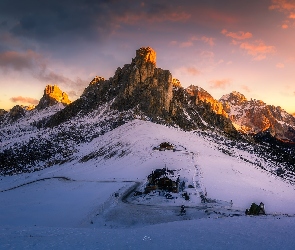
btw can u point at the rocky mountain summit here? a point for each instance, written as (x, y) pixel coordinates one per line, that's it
(142, 89)
(53, 95)
(255, 116)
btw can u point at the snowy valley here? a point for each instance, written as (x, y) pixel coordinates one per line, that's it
(81, 205)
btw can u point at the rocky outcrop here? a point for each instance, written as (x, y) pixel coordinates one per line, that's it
(255, 116)
(3, 112)
(144, 85)
(201, 95)
(16, 113)
(53, 95)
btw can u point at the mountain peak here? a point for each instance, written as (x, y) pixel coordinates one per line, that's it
(53, 95)
(145, 55)
(255, 116)
(140, 89)
(235, 98)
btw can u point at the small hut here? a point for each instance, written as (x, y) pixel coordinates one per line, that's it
(256, 209)
(162, 179)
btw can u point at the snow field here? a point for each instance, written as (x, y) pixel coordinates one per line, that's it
(82, 213)
(55, 203)
(226, 233)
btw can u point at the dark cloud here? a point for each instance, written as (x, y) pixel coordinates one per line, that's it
(36, 65)
(18, 60)
(83, 19)
(70, 21)
(43, 20)
(3, 24)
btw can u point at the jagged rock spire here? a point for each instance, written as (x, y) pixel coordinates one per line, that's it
(53, 95)
(145, 55)
(147, 87)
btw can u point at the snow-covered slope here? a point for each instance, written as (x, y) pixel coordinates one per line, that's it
(82, 198)
(126, 153)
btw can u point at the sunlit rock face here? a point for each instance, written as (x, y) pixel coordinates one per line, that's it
(202, 95)
(53, 95)
(145, 55)
(176, 83)
(145, 85)
(254, 116)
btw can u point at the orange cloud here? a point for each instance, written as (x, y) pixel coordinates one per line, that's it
(173, 43)
(246, 88)
(190, 42)
(186, 44)
(285, 26)
(27, 100)
(282, 5)
(214, 16)
(209, 40)
(220, 84)
(285, 6)
(193, 71)
(240, 35)
(258, 49)
(280, 65)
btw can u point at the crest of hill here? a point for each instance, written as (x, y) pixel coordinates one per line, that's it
(53, 95)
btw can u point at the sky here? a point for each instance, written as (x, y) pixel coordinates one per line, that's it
(221, 46)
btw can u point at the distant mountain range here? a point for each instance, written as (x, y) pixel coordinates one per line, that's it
(138, 90)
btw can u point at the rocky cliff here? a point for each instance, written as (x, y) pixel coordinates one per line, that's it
(143, 85)
(202, 96)
(255, 116)
(52, 95)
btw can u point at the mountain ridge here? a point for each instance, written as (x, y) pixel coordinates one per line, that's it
(255, 116)
(40, 138)
(143, 88)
